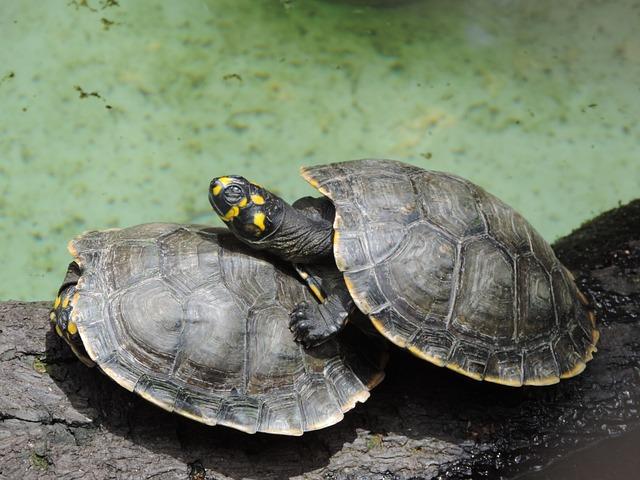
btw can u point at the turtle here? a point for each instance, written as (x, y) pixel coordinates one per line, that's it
(197, 323)
(442, 268)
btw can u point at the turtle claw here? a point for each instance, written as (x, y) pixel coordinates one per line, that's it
(307, 325)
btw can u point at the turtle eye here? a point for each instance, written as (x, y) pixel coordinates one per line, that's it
(233, 194)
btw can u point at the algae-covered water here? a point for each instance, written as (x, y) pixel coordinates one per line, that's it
(115, 113)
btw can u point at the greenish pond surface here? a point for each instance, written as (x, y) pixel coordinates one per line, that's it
(118, 113)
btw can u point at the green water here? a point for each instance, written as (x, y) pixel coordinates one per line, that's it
(118, 114)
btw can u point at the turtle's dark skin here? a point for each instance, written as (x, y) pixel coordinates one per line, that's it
(440, 266)
(300, 233)
(266, 222)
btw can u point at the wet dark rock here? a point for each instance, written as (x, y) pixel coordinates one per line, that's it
(59, 419)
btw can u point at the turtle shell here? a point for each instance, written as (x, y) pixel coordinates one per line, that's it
(453, 274)
(197, 324)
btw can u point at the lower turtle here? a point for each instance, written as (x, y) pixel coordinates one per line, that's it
(441, 267)
(195, 322)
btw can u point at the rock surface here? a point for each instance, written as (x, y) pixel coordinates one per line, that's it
(59, 419)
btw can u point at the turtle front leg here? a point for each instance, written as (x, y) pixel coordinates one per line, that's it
(314, 323)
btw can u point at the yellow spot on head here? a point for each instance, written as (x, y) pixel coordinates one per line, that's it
(56, 304)
(52, 317)
(242, 203)
(257, 199)
(258, 221)
(65, 302)
(58, 330)
(224, 180)
(233, 212)
(216, 189)
(72, 328)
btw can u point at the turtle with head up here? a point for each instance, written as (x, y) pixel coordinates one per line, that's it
(441, 267)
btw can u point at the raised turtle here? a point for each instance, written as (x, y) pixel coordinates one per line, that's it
(440, 266)
(197, 323)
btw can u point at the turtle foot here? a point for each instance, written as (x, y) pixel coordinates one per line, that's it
(308, 325)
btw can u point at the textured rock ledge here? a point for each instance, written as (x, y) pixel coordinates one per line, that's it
(59, 419)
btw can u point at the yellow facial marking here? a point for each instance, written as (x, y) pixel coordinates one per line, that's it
(243, 203)
(52, 317)
(216, 189)
(65, 302)
(257, 199)
(224, 180)
(233, 212)
(58, 330)
(56, 304)
(258, 221)
(72, 328)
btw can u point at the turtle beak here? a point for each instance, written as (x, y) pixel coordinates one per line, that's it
(215, 196)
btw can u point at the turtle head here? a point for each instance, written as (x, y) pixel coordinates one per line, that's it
(251, 212)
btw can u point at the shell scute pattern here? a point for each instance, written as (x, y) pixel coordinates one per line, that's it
(153, 344)
(463, 281)
(204, 332)
(507, 226)
(186, 260)
(485, 292)
(535, 303)
(449, 203)
(134, 260)
(421, 272)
